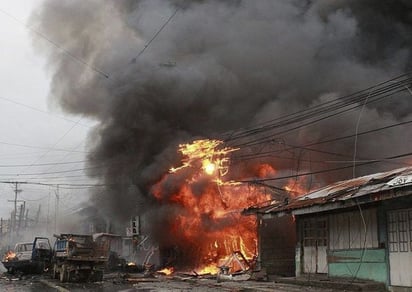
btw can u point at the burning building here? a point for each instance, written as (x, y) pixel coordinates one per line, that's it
(242, 72)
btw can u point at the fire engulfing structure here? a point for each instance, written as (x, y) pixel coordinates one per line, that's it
(157, 73)
(207, 223)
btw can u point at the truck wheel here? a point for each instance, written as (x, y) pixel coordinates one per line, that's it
(55, 272)
(40, 268)
(96, 276)
(63, 274)
(99, 276)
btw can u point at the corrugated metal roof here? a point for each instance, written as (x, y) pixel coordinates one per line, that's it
(343, 190)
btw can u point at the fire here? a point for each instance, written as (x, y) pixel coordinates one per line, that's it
(167, 271)
(208, 226)
(9, 256)
(208, 154)
(296, 187)
(131, 264)
(211, 269)
(208, 167)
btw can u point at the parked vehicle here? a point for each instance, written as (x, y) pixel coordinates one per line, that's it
(78, 258)
(116, 260)
(29, 257)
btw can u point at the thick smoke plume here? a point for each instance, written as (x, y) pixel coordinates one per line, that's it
(218, 66)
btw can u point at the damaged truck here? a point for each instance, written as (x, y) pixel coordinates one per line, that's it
(29, 257)
(78, 258)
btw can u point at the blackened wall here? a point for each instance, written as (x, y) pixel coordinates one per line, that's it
(277, 242)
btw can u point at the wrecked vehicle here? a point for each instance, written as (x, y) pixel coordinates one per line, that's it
(29, 257)
(236, 268)
(78, 258)
(114, 242)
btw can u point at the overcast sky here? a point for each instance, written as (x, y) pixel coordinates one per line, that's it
(30, 126)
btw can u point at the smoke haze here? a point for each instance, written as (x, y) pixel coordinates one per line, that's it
(217, 66)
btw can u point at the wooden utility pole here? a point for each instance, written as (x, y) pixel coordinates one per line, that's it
(26, 220)
(38, 215)
(56, 209)
(16, 191)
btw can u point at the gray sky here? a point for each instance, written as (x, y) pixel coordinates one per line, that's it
(27, 119)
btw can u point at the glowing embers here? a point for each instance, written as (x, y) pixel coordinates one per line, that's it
(206, 222)
(166, 271)
(208, 154)
(9, 256)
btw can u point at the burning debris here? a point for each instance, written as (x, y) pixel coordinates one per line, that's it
(236, 268)
(233, 67)
(209, 226)
(166, 271)
(206, 153)
(10, 256)
(29, 257)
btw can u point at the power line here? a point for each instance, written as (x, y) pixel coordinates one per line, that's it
(41, 111)
(155, 35)
(55, 144)
(62, 49)
(321, 112)
(324, 170)
(55, 172)
(291, 147)
(42, 164)
(315, 109)
(40, 147)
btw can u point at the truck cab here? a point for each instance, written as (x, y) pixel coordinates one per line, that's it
(29, 257)
(76, 257)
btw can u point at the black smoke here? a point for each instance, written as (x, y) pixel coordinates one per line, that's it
(217, 66)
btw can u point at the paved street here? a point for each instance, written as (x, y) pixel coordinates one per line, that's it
(44, 283)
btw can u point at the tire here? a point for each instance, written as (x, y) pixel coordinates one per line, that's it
(99, 276)
(96, 276)
(40, 268)
(70, 275)
(55, 273)
(63, 274)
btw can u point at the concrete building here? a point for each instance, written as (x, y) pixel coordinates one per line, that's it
(359, 228)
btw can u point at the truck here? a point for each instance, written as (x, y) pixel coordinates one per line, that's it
(116, 260)
(76, 257)
(29, 257)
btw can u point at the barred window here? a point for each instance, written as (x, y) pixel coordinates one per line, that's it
(393, 232)
(403, 231)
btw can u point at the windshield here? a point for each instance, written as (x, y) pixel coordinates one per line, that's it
(24, 247)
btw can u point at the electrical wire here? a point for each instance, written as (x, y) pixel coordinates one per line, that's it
(324, 170)
(42, 164)
(155, 35)
(321, 112)
(41, 147)
(42, 111)
(55, 44)
(306, 146)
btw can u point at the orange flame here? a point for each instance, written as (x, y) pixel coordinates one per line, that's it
(9, 256)
(206, 152)
(167, 271)
(211, 269)
(296, 187)
(210, 220)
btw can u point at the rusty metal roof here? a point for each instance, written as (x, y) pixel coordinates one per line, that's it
(342, 191)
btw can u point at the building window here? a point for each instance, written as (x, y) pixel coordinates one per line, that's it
(315, 232)
(393, 232)
(410, 230)
(403, 231)
(348, 231)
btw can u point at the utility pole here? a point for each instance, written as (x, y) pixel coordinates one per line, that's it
(38, 216)
(16, 192)
(26, 220)
(56, 209)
